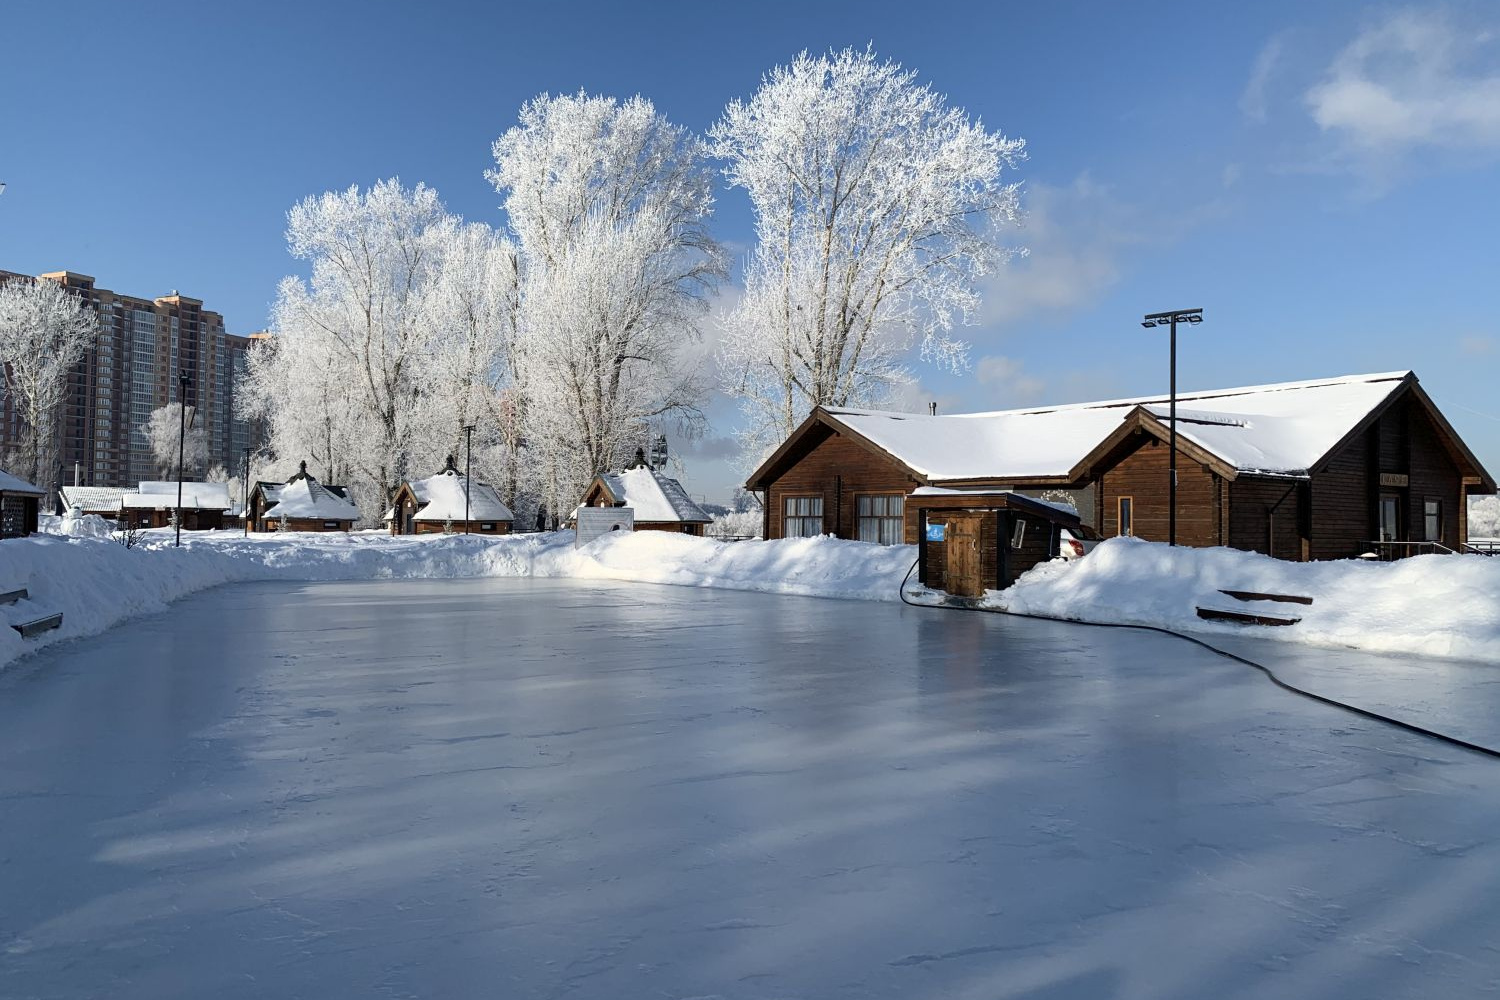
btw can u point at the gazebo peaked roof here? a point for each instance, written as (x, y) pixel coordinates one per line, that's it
(441, 498)
(17, 485)
(655, 498)
(304, 497)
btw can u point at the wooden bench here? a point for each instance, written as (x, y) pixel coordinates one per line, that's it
(12, 596)
(39, 625)
(1250, 595)
(1244, 617)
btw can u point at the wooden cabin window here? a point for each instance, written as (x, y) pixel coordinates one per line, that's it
(1432, 520)
(804, 517)
(882, 518)
(1124, 525)
(1018, 535)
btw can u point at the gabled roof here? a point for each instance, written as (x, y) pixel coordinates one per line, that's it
(654, 497)
(155, 495)
(15, 484)
(92, 497)
(1285, 428)
(441, 498)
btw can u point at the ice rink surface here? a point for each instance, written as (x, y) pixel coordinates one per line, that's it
(518, 789)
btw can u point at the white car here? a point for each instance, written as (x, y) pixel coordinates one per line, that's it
(1075, 543)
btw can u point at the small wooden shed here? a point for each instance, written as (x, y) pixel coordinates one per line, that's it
(103, 501)
(437, 504)
(20, 505)
(970, 541)
(154, 502)
(301, 504)
(659, 502)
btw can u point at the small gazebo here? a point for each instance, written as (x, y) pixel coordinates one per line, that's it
(20, 504)
(437, 504)
(301, 504)
(659, 502)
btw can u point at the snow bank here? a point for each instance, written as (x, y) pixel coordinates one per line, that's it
(1433, 605)
(97, 584)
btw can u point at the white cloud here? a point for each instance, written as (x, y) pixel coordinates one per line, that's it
(1411, 82)
(1007, 380)
(1477, 346)
(1253, 99)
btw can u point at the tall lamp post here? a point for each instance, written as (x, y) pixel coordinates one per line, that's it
(1194, 317)
(468, 461)
(182, 384)
(245, 496)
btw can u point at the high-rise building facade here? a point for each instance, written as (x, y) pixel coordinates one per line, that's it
(132, 369)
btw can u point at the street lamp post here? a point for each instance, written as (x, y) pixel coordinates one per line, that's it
(468, 464)
(182, 383)
(1194, 317)
(245, 496)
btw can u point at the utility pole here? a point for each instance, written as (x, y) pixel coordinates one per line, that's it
(1194, 317)
(245, 496)
(182, 384)
(468, 465)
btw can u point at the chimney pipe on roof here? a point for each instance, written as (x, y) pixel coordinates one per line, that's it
(932, 408)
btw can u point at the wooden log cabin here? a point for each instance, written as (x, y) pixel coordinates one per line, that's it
(153, 503)
(20, 506)
(1321, 469)
(659, 502)
(301, 504)
(436, 505)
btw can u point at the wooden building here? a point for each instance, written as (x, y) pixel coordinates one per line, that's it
(970, 541)
(301, 504)
(438, 504)
(153, 504)
(1322, 469)
(103, 501)
(659, 502)
(20, 506)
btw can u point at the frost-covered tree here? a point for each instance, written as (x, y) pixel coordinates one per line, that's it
(342, 383)
(162, 431)
(607, 202)
(44, 332)
(877, 208)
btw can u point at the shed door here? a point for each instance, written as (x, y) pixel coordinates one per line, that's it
(963, 577)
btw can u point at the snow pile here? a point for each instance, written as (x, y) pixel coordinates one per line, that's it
(1433, 605)
(1484, 517)
(97, 584)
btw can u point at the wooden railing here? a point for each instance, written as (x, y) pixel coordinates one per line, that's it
(1482, 547)
(1389, 551)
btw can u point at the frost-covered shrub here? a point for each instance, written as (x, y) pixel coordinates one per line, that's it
(1484, 517)
(736, 524)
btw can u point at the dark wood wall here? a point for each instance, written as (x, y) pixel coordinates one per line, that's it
(838, 470)
(1038, 543)
(1142, 475)
(1265, 515)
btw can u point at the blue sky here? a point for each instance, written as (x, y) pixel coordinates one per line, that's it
(1320, 178)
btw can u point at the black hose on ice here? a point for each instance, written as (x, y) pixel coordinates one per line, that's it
(1294, 689)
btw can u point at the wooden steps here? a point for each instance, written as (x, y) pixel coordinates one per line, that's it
(39, 625)
(1254, 617)
(1244, 617)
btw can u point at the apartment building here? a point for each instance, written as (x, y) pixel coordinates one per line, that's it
(131, 370)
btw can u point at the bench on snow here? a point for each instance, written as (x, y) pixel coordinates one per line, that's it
(12, 596)
(1254, 617)
(38, 625)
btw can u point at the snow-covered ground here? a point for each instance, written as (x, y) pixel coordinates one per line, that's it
(1432, 605)
(1437, 606)
(97, 583)
(601, 791)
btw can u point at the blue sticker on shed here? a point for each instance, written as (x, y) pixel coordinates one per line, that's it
(935, 532)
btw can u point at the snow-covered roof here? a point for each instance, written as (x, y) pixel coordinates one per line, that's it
(92, 497)
(991, 491)
(156, 495)
(1282, 428)
(308, 498)
(653, 496)
(15, 484)
(442, 499)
